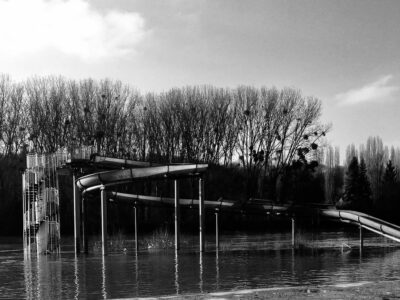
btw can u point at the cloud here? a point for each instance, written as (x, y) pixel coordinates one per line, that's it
(72, 27)
(375, 91)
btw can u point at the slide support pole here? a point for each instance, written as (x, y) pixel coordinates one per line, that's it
(103, 195)
(177, 218)
(77, 216)
(201, 214)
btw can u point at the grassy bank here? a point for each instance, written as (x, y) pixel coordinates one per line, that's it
(163, 239)
(356, 290)
(160, 239)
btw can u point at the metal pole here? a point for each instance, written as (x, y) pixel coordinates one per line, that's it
(103, 197)
(77, 216)
(201, 214)
(293, 231)
(216, 230)
(24, 210)
(84, 227)
(136, 227)
(361, 238)
(177, 215)
(177, 272)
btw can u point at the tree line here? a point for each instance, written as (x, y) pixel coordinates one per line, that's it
(371, 179)
(260, 142)
(263, 128)
(194, 123)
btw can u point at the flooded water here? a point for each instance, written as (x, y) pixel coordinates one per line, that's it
(244, 262)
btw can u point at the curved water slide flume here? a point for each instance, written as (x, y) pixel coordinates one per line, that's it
(101, 180)
(182, 201)
(368, 222)
(115, 177)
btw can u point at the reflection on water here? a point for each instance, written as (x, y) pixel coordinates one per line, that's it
(201, 273)
(217, 270)
(76, 279)
(43, 278)
(104, 277)
(170, 272)
(177, 272)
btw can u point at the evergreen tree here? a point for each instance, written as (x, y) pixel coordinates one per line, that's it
(364, 186)
(390, 175)
(389, 204)
(357, 188)
(351, 182)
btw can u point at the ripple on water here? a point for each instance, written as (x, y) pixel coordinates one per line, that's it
(241, 267)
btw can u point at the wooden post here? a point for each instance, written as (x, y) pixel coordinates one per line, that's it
(177, 215)
(293, 231)
(103, 196)
(201, 214)
(84, 226)
(136, 227)
(361, 238)
(77, 216)
(216, 230)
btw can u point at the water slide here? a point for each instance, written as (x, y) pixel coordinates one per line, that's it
(251, 206)
(115, 177)
(136, 170)
(182, 201)
(141, 170)
(368, 222)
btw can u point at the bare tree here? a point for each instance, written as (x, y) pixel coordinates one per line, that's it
(4, 95)
(98, 115)
(47, 103)
(5, 90)
(15, 120)
(275, 127)
(170, 110)
(193, 119)
(218, 127)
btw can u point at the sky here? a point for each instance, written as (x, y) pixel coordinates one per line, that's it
(344, 52)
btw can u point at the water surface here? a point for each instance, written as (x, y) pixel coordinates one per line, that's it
(244, 262)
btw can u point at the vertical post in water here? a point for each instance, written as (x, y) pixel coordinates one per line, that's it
(136, 227)
(177, 215)
(84, 226)
(77, 216)
(361, 238)
(103, 196)
(216, 230)
(293, 231)
(24, 212)
(201, 214)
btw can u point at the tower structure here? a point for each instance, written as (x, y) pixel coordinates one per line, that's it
(41, 224)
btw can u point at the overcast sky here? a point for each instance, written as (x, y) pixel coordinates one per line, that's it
(347, 53)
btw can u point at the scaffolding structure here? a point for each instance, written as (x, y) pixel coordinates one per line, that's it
(41, 218)
(83, 152)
